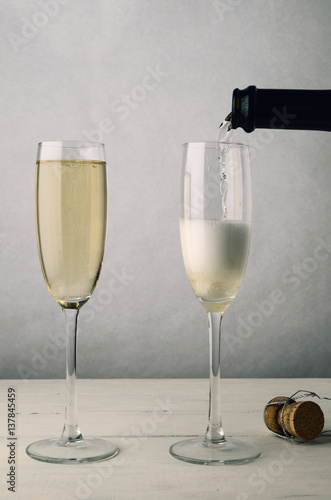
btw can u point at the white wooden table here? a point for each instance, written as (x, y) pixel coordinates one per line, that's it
(144, 417)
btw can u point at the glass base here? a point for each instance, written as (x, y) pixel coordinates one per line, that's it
(229, 452)
(57, 451)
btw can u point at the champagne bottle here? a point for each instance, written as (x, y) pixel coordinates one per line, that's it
(280, 109)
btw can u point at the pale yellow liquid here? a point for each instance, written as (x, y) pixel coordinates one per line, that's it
(71, 217)
(215, 256)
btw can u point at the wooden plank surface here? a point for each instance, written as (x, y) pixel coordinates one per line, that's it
(144, 417)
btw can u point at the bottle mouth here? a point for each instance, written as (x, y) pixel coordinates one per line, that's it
(243, 108)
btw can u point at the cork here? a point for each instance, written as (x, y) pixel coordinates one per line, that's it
(304, 419)
(271, 413)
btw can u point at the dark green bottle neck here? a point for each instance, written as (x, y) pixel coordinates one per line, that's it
(281, 109)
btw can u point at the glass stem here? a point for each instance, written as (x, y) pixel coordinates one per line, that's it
(214, 433)
(71, 431)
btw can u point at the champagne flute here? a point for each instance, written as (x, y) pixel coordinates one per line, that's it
(215, 214)
(71, 220)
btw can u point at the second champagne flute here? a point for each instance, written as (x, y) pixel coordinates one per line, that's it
(215, 215)
(71, 219)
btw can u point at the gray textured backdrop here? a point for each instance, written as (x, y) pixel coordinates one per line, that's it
(144, 77)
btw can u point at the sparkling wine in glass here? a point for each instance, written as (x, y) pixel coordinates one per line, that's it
(71, 220)
(215, 216)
